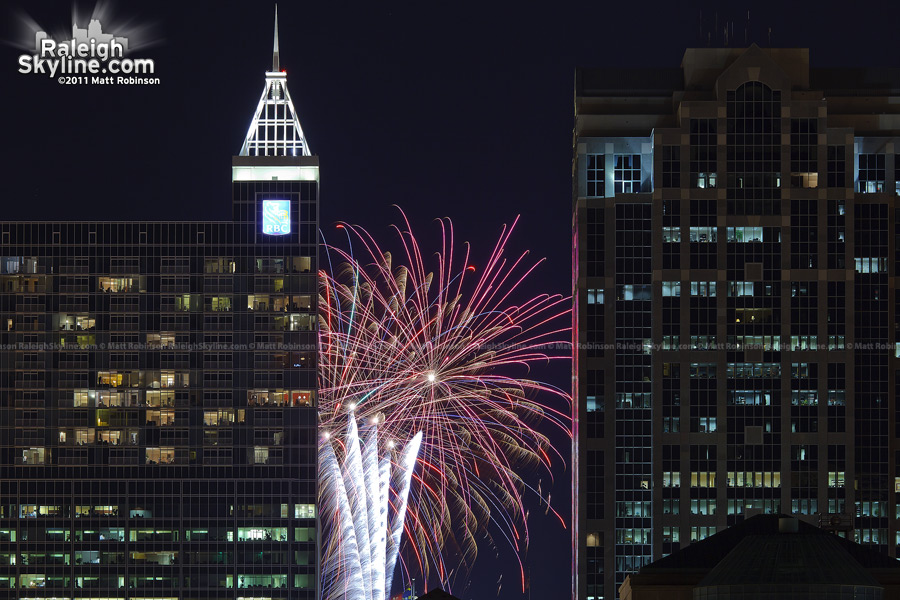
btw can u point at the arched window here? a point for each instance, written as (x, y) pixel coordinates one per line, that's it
(753, 138)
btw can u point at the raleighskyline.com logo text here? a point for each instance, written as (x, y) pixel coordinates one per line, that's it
(88, 52)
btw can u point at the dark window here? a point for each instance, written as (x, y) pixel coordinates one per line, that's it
(704, 149)
(594, 242)
(596, 175)
(804, 150)
(754, 149)
(671, 166)
(837, 166)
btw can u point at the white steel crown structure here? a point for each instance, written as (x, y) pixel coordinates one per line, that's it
(275, 129)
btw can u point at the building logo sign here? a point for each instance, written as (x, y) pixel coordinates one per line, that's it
(276, 217)
(89, 57)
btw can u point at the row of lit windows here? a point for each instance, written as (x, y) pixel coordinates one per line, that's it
(24, 511)
(10, 265)
(161, 557)
(161, 455)
(699, 479)
(695, 234)
(698, 288)
(121, 288)
(753, 370)
(245, 581)
(872, 172)
(759, 479)
(735, 289)
(86, 398)
(118, 534)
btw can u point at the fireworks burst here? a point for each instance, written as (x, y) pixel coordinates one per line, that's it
(432, 344)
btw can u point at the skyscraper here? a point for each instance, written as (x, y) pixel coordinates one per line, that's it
(158, 392)
(733, 256)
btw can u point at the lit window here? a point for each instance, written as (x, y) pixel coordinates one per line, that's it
(671, 288)
(703, 288)
(871, 265)
(671, 479)
(703, 479)
(259, 455)
(160, 456)
(671, 234)
(871, 174)
(33, 456)
(703, 234)
(634, 292)
(628, 173)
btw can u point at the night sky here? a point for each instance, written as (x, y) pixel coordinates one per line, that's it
(444, 108)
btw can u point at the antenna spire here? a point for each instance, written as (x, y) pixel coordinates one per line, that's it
(275, 47)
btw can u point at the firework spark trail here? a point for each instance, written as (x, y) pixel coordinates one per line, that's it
(441, 351)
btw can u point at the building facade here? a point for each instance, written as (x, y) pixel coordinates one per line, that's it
(734, 247)
(158, 392)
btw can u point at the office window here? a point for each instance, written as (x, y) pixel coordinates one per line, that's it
(594, 322)
(594, 242)
(753, 234)
(596, 175)
(671, 288)
(701, 533)
(594, 562)
(634, 292)
(703, 288)
(594, 484)
(804, 153)
(871, 265)
(703, 506)
(671, 235)
(704, 149)
(754, 149)
(836, 234)
(595, 403)
(871, 174)
(627, 173)
(703, 235)
(897, 174)
(703, 479)
(671, 166)
(837, 166)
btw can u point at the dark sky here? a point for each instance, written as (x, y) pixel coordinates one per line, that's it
(445, 108)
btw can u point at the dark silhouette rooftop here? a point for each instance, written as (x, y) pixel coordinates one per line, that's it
(764, 533)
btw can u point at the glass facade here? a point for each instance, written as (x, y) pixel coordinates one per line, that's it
(750, 341)
(158, 404)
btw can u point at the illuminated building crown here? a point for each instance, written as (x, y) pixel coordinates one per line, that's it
(275, 129)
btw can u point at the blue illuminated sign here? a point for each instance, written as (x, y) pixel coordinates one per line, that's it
(276, 217)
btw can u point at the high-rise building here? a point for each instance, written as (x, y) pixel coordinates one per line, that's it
(158, 392)
(734, 250)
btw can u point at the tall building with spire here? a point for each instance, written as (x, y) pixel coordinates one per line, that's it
(158, 392)
(735, 228)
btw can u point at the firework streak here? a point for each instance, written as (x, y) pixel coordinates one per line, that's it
(432, 350)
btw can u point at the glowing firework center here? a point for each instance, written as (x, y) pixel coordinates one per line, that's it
(276, 217)
(401, 352)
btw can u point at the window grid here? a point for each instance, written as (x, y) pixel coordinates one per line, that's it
(627, 173)
(754, 149)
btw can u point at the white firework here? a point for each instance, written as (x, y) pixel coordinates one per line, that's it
(363, 499)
